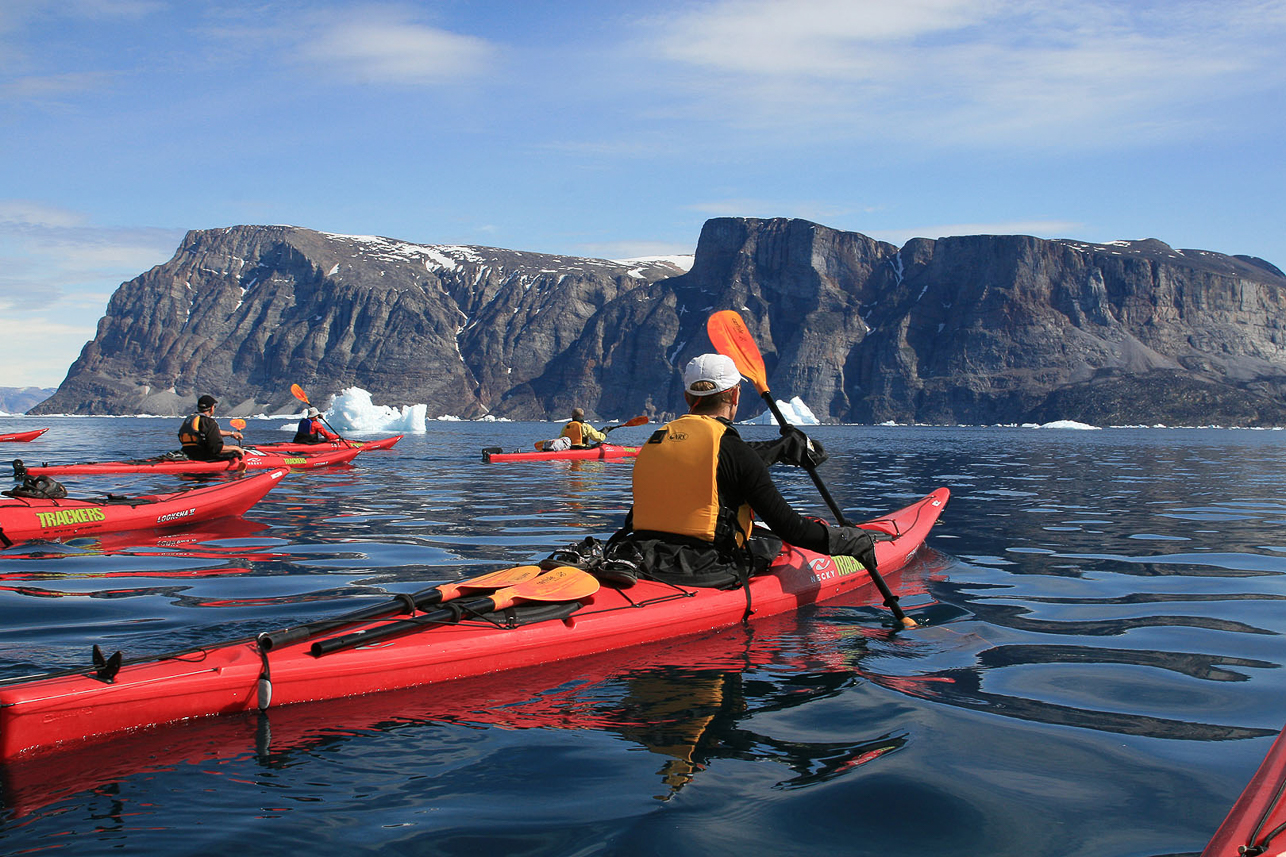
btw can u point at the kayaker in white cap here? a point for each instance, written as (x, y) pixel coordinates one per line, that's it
(697, 486)
(312, 430)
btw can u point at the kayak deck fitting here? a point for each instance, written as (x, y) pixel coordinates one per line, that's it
(69, 708)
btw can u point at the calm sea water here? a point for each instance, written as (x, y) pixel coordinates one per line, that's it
(1098, 672)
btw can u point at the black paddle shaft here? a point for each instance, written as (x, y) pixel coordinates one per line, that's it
(399, 604)
(890, 600)
(402, 626)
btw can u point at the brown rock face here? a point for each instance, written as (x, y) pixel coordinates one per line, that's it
(974, 329)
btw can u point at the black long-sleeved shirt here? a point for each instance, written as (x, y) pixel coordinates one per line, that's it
(742, 477)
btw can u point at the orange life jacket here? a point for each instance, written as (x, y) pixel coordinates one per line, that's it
(676, 486)
(573, 432)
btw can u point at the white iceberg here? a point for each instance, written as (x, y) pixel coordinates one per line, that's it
(795, 412)
(353, 411)
(1068, 424)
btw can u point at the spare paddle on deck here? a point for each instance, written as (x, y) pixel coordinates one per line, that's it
(564, 583)
(501, 579)
(298, 392)
(732, 338)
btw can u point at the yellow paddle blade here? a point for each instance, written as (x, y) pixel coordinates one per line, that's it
(298, 392)
(501, 579)
(564, 583)
(732, 339)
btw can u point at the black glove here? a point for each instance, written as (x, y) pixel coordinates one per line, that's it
(793, 447)
(854, 542)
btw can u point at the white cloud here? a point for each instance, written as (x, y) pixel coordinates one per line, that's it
(953, 71)
(35, 351)
(57, 271)
(384, 46)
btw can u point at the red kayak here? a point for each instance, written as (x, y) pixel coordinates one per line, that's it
(59, 710)
(560, 695)
(1256, 824)
(22, 436)
(254, 460)
(603, 450)
(365, 445)
(26, 518)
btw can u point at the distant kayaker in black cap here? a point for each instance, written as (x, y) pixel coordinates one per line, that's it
(696, 484)
(202, 438)
(578, 433)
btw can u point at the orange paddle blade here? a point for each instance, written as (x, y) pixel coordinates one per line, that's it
(732, 339)
(298, 392)
(564, 583)
(637, 421)
(495, 580)
(238, 423)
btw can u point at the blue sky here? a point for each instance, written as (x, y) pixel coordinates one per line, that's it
(616, 129)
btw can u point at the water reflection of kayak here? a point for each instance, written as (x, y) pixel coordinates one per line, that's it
(43, 713)
(495, 455)
(27, 518)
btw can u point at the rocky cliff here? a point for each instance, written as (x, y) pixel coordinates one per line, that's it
(975, 329)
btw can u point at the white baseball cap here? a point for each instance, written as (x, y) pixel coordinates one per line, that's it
(717, 368)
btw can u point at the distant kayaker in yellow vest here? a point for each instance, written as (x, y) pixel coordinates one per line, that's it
(201, 437)
(697, 486)
(578, 433)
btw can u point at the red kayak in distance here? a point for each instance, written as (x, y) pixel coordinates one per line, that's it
(1256, 824)
(27, 518)
(117, 695)
(254, 460)
(364, 445)
(495, 454)
(22, 436)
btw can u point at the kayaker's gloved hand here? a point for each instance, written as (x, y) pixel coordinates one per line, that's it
(854, 542)
(798, 448)
(793, 448)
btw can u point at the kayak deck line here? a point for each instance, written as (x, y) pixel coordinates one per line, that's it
(76, 707)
